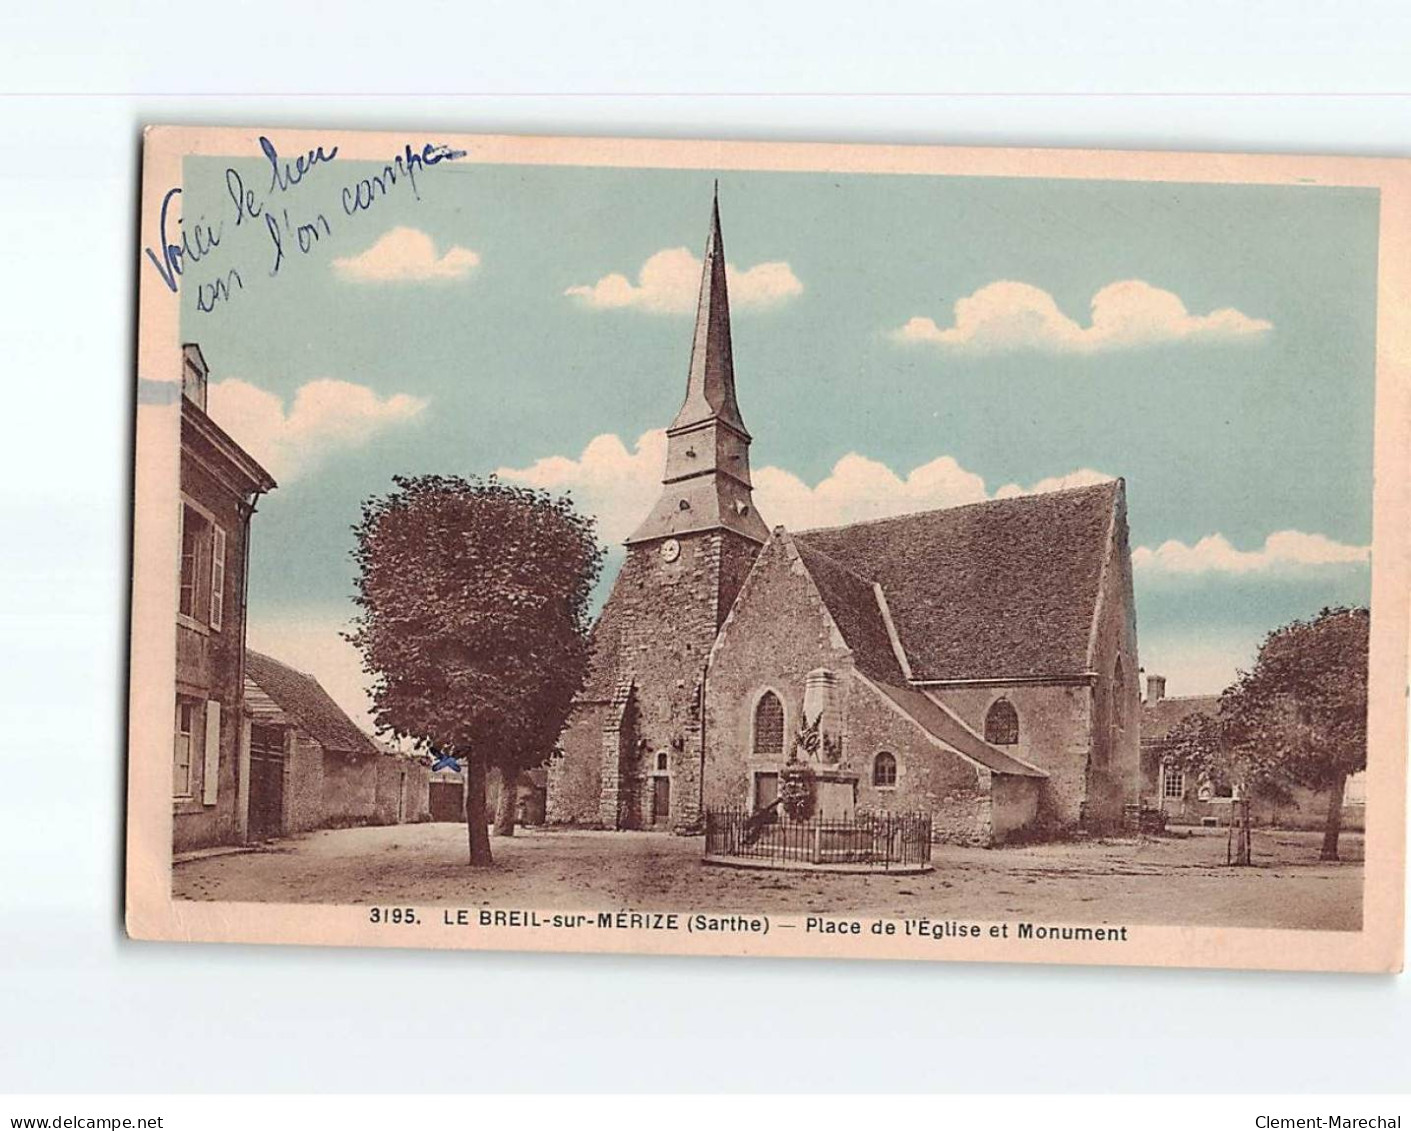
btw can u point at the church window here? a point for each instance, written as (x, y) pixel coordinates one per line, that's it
(769, 725)
(884, 771)
(1119, 697)
(661, 762)
(1002, 724)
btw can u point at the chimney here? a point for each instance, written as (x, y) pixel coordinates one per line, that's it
(1155, 688)
(193, 375)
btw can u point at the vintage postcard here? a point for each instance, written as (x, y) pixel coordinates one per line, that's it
(770, 549)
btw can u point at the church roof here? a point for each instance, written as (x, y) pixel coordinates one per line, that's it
(710, 385)
(942, 724)
(852, 603)
(1160, 717)
(307, 704)
(996, 590)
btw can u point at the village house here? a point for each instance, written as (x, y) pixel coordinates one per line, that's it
(311, 767)
(1186, 800)
(977, 663)
(219, 485)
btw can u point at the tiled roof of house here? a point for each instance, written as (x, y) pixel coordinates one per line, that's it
(993, 590)
(940, 723)
(301, 697)
(1158, 718)
(852, 603)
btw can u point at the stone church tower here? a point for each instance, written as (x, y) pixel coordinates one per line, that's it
(632, 752)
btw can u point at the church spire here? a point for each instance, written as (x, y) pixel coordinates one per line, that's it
(706, 485)
(710, 385)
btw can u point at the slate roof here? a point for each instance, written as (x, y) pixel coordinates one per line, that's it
(301, 697)
(993, 590)
(852, 602)
(940, 723)
(1158, 718)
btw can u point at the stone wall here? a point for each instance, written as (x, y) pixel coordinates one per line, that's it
(303, 783)
(575, 775)
(1115, 767)
(1014, 805)
(1053, 735)
(349, 790)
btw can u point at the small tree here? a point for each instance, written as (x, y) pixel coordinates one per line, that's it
(1306, 700)
(473, 622)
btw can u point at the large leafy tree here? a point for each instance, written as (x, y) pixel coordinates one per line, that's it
(1298, 716)
(1306, 700)
(473, 622)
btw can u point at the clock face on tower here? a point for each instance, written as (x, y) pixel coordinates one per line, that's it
(670, 550)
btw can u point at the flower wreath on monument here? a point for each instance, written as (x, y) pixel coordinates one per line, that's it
(796, 776)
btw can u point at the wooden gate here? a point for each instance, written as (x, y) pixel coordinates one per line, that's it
(266, 782)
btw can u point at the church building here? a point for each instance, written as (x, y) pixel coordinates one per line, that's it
(976, 663)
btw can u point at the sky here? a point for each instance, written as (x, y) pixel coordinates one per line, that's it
(900, 343)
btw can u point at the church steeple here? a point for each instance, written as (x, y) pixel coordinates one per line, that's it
(710, 385)
(706, 485)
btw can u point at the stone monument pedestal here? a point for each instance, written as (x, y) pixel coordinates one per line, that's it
(834, 793)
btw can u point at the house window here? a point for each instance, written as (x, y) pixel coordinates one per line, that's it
(769, 725)
(194, 530)
(1173, 783)
(182, 747)
(884, 771)
(1002, 724)
(203, 559)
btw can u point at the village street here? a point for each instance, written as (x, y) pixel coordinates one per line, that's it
(1172, 880)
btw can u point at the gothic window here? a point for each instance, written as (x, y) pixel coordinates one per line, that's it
(769, 725)
(661, 762)
(884, 771)
(1002, 724)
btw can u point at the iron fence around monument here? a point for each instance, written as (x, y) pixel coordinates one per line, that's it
(876, 840)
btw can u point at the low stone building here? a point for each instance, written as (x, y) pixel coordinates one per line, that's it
(310, 765)
(978, 663)
(1186, 800)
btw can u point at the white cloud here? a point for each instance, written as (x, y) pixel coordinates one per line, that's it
(405, 255)
(1007, 317)
(326, 416)
(1284, 550)
(669, 283)
(1083, 477)
(607, 480)
(620, 486)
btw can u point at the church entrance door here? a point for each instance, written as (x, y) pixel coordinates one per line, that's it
(661, 800)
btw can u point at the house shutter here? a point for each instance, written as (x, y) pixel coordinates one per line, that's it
(217, 576)
(210, 778)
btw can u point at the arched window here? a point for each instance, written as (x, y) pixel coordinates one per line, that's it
(884, 770)
(661, 761)
(1119, 697)
(769, 725)
(1002, 724)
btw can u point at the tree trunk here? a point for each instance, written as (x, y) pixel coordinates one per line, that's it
(507, 801)
(1241, 829)
(475, 820)
(1333, 827)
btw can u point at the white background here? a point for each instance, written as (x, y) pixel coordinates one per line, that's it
(83, 1009)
